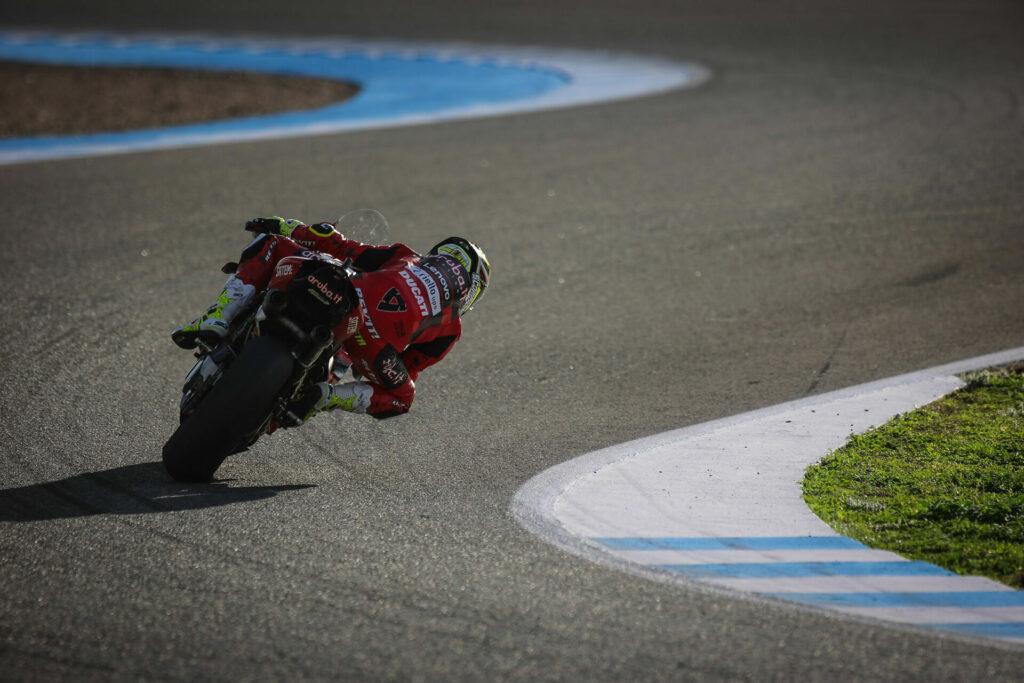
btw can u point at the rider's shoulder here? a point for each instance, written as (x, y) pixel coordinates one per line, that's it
(402, 256)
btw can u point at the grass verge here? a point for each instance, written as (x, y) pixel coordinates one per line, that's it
(943, 484)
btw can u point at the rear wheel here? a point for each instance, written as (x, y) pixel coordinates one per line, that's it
(239, 403)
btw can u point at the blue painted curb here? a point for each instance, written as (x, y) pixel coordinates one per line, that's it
(393, 85)
(401, 84)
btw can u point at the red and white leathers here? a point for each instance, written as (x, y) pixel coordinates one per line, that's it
(408, 305)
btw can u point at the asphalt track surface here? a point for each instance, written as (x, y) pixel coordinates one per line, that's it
(841, 203)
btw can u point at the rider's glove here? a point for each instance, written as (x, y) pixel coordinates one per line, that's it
(274, 225)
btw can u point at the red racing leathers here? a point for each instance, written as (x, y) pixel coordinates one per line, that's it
(408, 304)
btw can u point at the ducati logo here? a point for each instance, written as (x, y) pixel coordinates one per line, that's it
(392, 302)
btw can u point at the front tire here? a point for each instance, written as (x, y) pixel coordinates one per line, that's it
(239, 403)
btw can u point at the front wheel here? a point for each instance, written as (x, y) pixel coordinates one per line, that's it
(239, 403)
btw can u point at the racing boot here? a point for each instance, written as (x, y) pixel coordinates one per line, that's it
(213, 325)
(353, 397)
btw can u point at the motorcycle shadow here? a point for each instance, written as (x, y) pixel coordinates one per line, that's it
(130, 490)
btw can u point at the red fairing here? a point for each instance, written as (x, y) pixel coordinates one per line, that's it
(407, 304)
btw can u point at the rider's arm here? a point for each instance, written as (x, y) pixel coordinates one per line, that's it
(323, 237)
(430, 347)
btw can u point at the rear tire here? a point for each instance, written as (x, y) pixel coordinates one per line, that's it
(239, 403)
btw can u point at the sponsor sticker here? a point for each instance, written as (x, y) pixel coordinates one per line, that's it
(421, 303)
(442, 277)
(390, 368)
(432, 288)
(325, 289)
(459, 253)
(366, 315)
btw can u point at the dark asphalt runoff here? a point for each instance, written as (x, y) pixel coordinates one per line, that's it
(842, 202)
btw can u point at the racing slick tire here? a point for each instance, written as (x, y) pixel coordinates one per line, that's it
(239, 403)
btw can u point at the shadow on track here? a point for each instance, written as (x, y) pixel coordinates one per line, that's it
(129, 490)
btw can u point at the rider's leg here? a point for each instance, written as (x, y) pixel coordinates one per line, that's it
(254, 271)
(214, 323)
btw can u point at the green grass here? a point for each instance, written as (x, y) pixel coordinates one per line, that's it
(944, 483)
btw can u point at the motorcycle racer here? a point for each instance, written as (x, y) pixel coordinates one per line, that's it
(408, 314)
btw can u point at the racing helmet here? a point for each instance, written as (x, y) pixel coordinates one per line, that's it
(474, 261)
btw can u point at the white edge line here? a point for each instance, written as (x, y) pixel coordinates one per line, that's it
(532, 505)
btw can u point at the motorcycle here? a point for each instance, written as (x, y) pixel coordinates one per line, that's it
(277, 348)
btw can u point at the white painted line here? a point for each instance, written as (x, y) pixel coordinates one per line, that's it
(940, 615)
(660, 557)
(718, 506)
(868, 584)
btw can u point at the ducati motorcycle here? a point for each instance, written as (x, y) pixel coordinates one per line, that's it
(274, 352)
